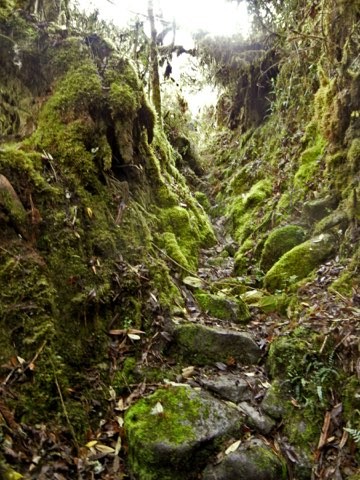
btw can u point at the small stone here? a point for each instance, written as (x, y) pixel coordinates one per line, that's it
(194, 283)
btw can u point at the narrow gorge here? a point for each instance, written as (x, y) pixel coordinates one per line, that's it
(179, 292)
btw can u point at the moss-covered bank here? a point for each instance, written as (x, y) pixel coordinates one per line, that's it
(93, 214)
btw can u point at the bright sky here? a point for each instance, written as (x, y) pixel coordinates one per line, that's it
(218, 17)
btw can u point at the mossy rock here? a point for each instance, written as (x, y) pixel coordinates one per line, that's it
(288, 353)
(299, 262)
(252, 461)
(280, 241)
(172, 433)
(273, 404)
(206, 345)
(224, 308)
(274, 303)
(316, 210)
(14, 210)
(339, 219)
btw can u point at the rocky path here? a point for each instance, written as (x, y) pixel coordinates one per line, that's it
(232, 412)
(223, 399)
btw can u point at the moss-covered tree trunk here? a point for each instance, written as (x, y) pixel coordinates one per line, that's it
(154, 64)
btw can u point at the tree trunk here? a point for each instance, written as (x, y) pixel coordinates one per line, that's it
(154, 64)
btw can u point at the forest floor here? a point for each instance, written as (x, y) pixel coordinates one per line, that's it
(43, 451)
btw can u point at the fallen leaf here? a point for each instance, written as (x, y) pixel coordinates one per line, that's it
(233, 447)
(104, 448)
(112, 394)
(120, 405)
(117, 332)
(120, 421)
(265, 384)
(118, 446)
(188, 372)
(91, 444)
(157, 410)
(134, 336)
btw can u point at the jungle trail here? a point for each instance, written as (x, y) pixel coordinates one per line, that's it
(175, 302)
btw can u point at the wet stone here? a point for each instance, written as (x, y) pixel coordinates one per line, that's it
(261, 422)
(176, 430)
(206, 345)
(230, 387)
(253, 461)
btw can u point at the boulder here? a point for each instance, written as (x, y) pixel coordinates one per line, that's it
(206, 345)
(172, 432)
(253, 461)
(223, 308)
(299, 262)
(280, 241)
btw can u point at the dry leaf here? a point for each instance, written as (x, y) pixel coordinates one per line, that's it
(120, 405)
(104, 448)
(112, 394)
(134, 336)
(120, 421)
(233, 447)
(157, 410)
(188, 372)
(118, 446)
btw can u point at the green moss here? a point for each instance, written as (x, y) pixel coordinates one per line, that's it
(224, 308)
(280, 241)
(183, 235)
(274, 303)
(174, 251)
(353, 155)
(351, 402)
(265, 460)
(6, 472)
(124, 377)
(309, 168)
(257, 193)
(303, 429)
(172, 427)
(299, 262)
(122, 99)
(203, 200)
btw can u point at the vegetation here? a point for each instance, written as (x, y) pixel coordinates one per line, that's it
(114, 282)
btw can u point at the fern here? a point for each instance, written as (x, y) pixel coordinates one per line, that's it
(355, 434)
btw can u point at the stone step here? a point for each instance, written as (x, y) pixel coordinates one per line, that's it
(203, 345)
